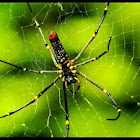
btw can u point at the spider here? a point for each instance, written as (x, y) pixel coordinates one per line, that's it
(65, 68)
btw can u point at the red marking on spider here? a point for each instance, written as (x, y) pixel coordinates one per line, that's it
(52, 35)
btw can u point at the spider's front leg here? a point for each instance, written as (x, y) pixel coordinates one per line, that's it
(45, 43)
(32, 71)
(95, 58)
(93, 36)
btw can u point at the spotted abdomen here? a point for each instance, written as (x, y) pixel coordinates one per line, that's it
(60, 53)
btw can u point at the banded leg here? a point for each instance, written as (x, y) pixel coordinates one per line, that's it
(40, 30)
(32, 101)
(66, 110)
(66, 85)
(79, 84)
(105, 91)
(94, 35)
(33, 71)
(95, 58)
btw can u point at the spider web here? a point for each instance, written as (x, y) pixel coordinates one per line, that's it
(118, 71)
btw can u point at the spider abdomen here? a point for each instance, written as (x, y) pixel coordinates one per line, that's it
(60, 53)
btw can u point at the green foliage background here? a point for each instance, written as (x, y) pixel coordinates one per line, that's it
(118, 71)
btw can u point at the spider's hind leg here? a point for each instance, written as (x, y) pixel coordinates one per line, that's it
(67, 87)
(67, 123)
(79, 84)
(105, 91)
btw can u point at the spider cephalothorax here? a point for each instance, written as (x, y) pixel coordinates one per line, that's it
(65, 68)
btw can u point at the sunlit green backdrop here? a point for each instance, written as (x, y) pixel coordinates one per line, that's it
(118, 71)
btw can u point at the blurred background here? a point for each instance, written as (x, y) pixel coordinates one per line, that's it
(118, 71)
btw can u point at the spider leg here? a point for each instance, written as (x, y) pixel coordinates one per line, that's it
(40, 30)
(66, 85)
(79, 84)
(95, 58)
(94, 35)
(33, 71)
(66, 110)
(33, 100)
(105, 91)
